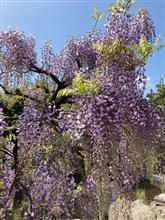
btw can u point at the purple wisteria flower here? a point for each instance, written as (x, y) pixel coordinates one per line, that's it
(1, 122)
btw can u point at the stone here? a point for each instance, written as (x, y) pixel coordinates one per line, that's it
(157, 181)
(119, 210)
(141, 211)
(159, 212)
(136, 210)
(160, 199)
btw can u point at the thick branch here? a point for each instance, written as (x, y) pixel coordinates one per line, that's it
(28, 195)
(5, 90)
(63, 100)
(36, 69)
(6, 152)
(17, 93)
(10, 190)
(6, 149)
(59, 87)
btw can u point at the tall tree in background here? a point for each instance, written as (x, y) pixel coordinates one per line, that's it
(158, 100)
(158, 97)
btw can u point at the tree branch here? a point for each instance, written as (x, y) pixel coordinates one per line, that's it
(18, 93)
(36, 69)
(10, 190)
(63, 100)
(28, 195)
(6, 149)
(5, 90)
(60, 87)
(6, 152)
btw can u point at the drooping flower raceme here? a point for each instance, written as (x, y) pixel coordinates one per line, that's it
(1, 122)
(118, 120)
(17, 54)
(52, 191)
(79, 54)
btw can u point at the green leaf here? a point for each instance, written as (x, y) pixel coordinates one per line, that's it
(1, 184)
(64, 92)
(97, 15)
(142, 11)
(3, 141)
(98, 46)
(121, 6)
(145, 46)
(82, 85)
(158, 45)
(113, 8)
(144, 49)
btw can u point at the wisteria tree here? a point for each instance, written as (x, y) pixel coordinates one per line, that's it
(80, 130)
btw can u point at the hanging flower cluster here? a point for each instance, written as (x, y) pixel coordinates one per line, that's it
(1, 122)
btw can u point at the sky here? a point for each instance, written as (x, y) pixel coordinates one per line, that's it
(55, 21)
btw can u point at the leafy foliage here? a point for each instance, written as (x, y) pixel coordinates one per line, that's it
(97, 15)
(83, 85)
(158, 100)
(158, 97)
(121, 6)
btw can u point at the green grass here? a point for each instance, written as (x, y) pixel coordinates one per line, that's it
(140, 194)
